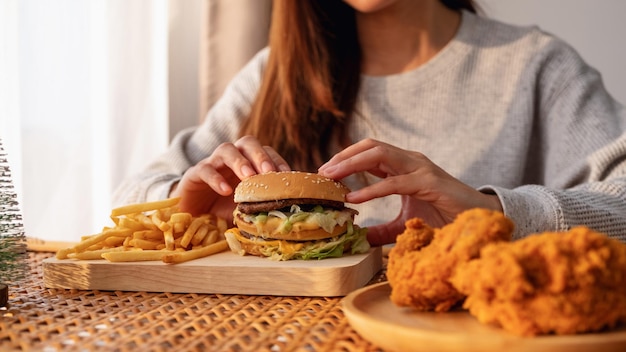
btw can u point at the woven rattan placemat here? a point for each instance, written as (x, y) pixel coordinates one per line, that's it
(42, 319)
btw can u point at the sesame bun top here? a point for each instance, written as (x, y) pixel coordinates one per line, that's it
(289, 185)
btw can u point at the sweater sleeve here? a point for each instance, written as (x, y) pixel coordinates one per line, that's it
(579, 146)
(191, 145)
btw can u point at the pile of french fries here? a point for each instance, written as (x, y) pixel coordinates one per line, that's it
(152, 231)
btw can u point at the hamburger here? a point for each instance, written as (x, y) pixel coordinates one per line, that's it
(294, 215)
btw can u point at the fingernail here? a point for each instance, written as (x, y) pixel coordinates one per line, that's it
(350, 197)
(247, 171)
(327, 169)
(266, 166)
(225, 187)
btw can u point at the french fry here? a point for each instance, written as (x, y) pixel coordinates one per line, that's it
(199, 236)
(180, 221)
(179, 257)
(177, 244)
(148, 235)
(82, 245)
(97, 254)
(191, 230)
(212, 237)
(130, 223)
(97, 246)
(86, 237)
(127, 242)
(114, 241)
(184, 218)
(158, 221)
(63, 253)
(151, 231)
(166, 213)
(145, 221)
(144, 207)
(135, 256)
(168, 238)
(143, 244)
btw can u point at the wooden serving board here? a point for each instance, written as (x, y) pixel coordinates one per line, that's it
(226, 273)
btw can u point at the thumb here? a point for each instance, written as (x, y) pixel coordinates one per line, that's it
(382, 234)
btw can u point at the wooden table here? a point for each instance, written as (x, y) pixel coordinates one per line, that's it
(44, 319)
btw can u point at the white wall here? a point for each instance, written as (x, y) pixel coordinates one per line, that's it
(595, 28)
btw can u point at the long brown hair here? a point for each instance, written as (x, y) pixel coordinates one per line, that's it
(311, 80)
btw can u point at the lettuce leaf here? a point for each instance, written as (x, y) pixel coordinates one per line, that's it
(355, 239)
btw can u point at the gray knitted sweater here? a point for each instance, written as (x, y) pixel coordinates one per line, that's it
(508, 110)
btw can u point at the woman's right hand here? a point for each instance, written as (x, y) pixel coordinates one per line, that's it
(427, 191)
(208, 186)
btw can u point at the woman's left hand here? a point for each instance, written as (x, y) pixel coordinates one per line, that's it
(428, 192)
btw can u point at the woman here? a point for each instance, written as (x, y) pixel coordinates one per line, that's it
(396, 92)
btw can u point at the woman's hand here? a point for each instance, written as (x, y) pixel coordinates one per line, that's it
(208, 186)
(428, 192)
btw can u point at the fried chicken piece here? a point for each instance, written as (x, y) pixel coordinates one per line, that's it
(423, 259)
(561, 283)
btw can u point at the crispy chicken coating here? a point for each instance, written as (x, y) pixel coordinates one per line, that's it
(561, 283)
(423, 258)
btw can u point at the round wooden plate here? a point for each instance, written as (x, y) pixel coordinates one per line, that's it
(371, 313)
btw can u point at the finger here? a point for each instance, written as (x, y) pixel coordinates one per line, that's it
(228, 155)
(256, 154)
(204, 175)
(280, 163)
(350, 151)
(365, 160)
(380, 160)
(402, 184)
(379, 235)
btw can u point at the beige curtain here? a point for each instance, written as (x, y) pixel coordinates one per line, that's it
(232, 32)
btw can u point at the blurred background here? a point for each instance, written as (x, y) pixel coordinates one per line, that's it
(90, 91)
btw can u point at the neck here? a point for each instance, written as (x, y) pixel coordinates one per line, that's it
(404, 36)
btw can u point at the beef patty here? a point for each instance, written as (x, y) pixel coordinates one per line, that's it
(305, 203)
